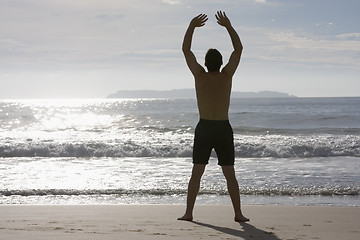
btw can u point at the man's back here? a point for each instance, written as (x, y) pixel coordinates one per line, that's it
(213, 95)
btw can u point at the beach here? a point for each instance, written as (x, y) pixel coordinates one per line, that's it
(159, 222)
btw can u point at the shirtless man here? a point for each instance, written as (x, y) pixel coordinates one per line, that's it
(213, 90)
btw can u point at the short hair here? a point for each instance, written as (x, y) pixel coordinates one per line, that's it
(213, 60)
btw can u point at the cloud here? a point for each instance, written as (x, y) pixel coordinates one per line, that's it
(291, 46)
(110, 17)
(295, 49)
(349, 36)
(172, 2)
(291, 39)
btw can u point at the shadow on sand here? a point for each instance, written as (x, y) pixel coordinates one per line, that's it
(247, 232)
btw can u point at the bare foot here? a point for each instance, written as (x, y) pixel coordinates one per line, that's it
(241, 218)
(186, 218)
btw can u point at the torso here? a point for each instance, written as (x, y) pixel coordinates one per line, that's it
(213, 95)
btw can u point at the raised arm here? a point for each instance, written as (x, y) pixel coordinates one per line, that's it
(194, 66)
(234, 60)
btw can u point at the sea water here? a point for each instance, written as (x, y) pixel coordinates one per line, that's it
(298, 151)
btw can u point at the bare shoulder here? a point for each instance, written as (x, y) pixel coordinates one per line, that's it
(224, 75)
(233, 63)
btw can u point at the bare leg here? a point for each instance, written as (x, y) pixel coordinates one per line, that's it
(233, 188)
(193, 189)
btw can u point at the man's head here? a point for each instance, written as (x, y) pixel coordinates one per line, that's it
(213, 60)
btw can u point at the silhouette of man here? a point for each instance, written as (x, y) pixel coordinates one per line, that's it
(213, 90)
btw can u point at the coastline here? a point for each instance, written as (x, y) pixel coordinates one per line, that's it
(159, 222)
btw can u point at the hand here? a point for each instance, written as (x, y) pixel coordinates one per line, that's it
(199, 20)
(222, 19)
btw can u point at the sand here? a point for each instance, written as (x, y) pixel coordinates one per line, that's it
(159, 222)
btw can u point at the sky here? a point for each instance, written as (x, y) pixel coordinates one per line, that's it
(92, 48)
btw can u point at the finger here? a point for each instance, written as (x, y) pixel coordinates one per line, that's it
(217, 17)
(204, 16)
(200, 16)
(222, 14)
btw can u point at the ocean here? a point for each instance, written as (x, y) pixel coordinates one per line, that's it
(289, 151)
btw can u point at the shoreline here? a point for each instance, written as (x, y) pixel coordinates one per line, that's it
(202, 199)
(159, 222)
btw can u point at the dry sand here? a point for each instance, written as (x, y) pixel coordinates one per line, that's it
(78, 222)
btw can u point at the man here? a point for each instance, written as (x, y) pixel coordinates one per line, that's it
(213, 90)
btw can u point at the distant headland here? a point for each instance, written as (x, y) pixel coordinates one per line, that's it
(190, 93)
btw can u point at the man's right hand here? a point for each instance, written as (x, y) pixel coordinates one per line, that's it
(199, 20)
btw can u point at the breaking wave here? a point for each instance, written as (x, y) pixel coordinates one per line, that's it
(279, 146)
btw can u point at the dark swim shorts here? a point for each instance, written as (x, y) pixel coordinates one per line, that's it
(215, 134)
